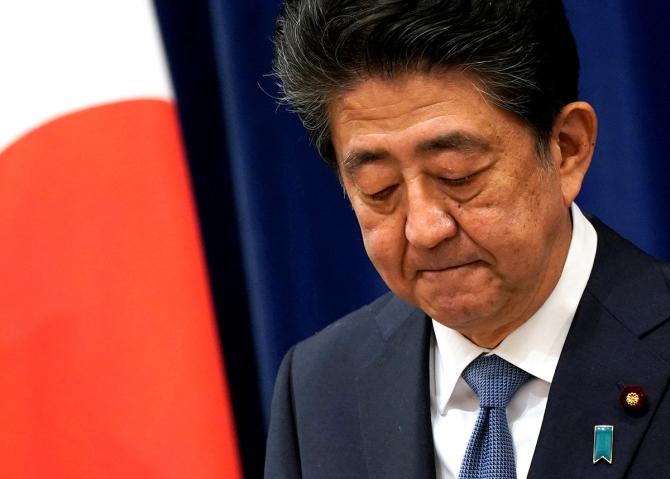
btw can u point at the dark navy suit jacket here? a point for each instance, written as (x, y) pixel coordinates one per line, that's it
(353, 401)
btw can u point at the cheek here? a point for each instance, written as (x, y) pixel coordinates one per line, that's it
(507, 222)
(381, 244)
(383, 238)
(522, 233)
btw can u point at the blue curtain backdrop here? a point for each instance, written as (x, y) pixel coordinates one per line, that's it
(283, 246)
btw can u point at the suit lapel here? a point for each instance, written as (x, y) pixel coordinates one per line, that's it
(599, 356)
(626, 297)
(394, 398)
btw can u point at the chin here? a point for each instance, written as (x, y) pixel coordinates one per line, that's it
(462, 311)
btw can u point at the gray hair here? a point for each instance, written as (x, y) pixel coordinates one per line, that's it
(522, 53)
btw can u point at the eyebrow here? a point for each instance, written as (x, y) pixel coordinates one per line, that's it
(357, 158)
(456, 141)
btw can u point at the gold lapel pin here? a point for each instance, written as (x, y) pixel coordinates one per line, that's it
(633, 399)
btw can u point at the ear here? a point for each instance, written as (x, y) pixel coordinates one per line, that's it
(572, 144)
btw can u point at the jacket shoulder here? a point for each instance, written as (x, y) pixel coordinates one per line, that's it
(316, 391)
(345, 343)
(633, 287)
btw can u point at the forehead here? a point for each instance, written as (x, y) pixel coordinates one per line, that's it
(412, 107)
(378, 98)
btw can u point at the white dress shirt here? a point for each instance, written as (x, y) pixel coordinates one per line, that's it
(534, 347)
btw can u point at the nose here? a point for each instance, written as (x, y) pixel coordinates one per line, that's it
(428, 222)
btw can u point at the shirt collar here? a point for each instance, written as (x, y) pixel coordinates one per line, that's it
(536, 345)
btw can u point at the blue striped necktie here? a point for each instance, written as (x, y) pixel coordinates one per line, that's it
(490, 452)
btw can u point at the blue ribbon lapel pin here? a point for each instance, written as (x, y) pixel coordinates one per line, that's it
(603, 443)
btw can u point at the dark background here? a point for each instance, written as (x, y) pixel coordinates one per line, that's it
(283, 248)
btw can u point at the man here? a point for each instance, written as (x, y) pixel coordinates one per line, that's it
(458, 136)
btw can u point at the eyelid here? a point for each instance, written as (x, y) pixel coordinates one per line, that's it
(458, 181)
(383, 194)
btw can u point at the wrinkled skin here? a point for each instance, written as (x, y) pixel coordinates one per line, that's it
(457, 212)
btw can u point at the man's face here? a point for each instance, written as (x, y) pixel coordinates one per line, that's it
(457, 213)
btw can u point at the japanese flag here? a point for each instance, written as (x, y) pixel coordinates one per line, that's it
(109, 360)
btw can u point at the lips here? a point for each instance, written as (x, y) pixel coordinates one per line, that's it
(430, 268)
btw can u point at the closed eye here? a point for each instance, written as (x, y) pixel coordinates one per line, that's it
(383, 194)
(457, 181)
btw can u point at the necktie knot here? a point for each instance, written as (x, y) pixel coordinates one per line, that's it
(494, 380)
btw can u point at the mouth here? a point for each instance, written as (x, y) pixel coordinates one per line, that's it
(446, 269)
